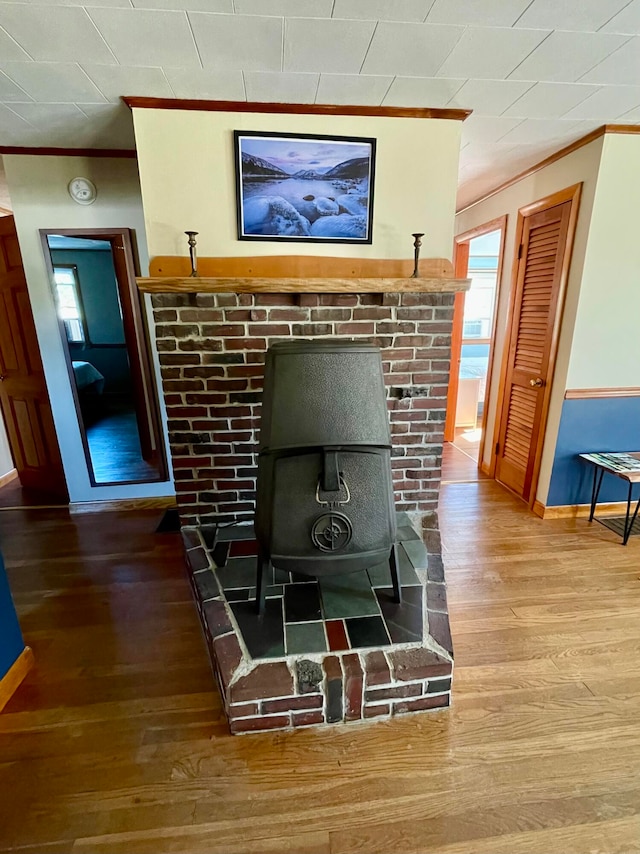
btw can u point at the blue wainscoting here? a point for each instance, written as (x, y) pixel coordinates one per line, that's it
(592, 424)
(11, 643)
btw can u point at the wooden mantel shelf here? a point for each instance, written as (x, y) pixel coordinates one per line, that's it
(256, 284)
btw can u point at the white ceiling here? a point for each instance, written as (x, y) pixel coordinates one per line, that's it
(537, 74)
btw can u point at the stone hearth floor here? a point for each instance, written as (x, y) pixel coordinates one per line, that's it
(303, 616)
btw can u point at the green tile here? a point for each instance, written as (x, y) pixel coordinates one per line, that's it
(239, 572)
(380, 574)
(348, 595)
(305, 638)
(417, 552)
(402, 519)
(406, 532)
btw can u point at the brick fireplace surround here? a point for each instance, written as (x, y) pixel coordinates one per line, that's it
(211, 349)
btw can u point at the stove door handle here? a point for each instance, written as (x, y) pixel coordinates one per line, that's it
(330, 471)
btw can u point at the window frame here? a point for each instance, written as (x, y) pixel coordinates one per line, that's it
(86, 342)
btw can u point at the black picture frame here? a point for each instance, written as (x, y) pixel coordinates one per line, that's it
(288, 187)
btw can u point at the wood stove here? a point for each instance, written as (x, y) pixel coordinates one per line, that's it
(324, 502)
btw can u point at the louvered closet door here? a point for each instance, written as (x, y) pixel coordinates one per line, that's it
(538, 284)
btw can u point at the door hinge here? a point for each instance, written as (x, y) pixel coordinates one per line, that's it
(520, 248)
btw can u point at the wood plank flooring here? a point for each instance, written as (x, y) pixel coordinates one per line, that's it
(116, 744)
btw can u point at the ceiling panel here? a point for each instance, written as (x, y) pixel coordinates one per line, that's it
(607, 104)
(485, 13)
(549, 100)
(487, 129)
(585, 16)
(242, 42)
(53, 124)
(421, 92)
(14, 128)
(539, 131)
(352, 89)
(627, 21)
(491, 52)
(10, 49)
(52, 81)
(117, 80)
(190, 5)
(110, 126)
(382, 10)
(9, 91)
(214, 85)
(337, 47)
(292, 88)
(139, 37)
(489, 97)
(622, 67)
(295, 8)
(564, 57)
(54, 33)
(410, 50)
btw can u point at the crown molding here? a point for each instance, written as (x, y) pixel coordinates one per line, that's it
(68, 152)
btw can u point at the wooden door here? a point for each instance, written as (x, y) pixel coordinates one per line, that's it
(461, 266)
(541, 271)
(24, 399)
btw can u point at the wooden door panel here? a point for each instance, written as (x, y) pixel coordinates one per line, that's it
(24, 398)
(538, 282)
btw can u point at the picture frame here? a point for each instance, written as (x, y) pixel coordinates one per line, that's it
(306, 188)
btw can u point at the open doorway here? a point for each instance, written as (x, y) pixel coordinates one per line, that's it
(100, 323)
(478, 256)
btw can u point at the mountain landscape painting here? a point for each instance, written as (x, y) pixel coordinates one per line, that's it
(304, 188)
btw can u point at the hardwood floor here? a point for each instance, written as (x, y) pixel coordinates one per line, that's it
(116, 744)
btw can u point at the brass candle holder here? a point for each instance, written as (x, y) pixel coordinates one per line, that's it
(417, 243)
(192, 251)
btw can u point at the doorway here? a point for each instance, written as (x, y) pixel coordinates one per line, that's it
(478, 256)
(100, 322)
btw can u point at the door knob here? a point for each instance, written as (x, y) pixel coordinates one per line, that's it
(537, 383)
(1, 378)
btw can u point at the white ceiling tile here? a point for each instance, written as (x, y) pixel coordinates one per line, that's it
(114, 81)
(185, 5)
(61, 82)
(484, 13)
(607, 104)
(123, 4)
(487, 129)
(10, 91)
(54, 32)
(382, 10)
(622, 67)
(549, 100)
(565, 57)
(491, 52)
(626, 21)
(489, 97)
(139, 37)
(283, 8)
(10, 49)
(421, 92)
(238, 42)
(13, 128)
(337, 47)
(532, 131)
(295, 88)
(584, 16)
(363, 89)
(211, 85)
(109, 126)
(54, 124)
(410, 50)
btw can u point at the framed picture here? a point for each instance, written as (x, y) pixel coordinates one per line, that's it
(313, 189)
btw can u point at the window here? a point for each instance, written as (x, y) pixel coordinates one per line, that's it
(69, 305)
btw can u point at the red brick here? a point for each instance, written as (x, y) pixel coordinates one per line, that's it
(299, 314)
(411, 664)
(375, 711)
(411, 690)
(200, 315)
(242, 710)
(289, 704)
(228, 656)
(308, 718)
(217, 619)
(355, 328)
(306, 300)
(275, 299)
(339, 299)
(245, 344)
(352, 687)
(265, 680)
(331, 314)
(268, 329)
(257, 724)
(433, 702)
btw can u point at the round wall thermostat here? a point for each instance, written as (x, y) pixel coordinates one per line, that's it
(82, 190)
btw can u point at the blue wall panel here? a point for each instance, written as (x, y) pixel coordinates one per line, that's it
(587, 425)
(11, 643)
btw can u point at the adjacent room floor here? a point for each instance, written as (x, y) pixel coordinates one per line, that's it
(116, 742)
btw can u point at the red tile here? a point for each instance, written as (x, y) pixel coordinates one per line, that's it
(243, 548)
(337, 635)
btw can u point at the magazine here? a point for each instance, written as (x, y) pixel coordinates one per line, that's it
(616, 461)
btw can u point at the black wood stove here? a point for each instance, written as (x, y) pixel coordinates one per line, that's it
(324, 491)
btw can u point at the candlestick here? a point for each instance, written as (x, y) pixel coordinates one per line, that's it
(417, 243)
(192, 251)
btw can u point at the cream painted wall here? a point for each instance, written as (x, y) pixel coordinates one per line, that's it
(580, 166)
(606, 341)
(187, 175)
(38, 187)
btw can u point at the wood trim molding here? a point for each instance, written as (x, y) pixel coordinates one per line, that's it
(479, 230)
(578, 511)
(14, 676)
(69, 152)
(162, 502)
(8, 477)
(303, 109)
(552, 158)
(257, 284)
(586, 393)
